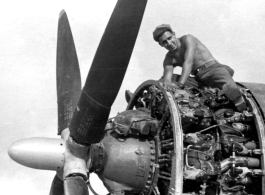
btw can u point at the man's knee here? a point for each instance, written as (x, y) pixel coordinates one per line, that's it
(231, 91)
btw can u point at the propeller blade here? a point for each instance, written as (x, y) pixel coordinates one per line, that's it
(57, 186)
(107, 71)
(75, 186)
(68, 73)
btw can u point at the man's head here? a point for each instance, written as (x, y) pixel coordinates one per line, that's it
(165, 36)
(160, 30)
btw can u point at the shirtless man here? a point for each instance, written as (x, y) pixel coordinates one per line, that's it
(194, 58)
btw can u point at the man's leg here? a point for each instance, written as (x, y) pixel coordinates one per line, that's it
(220, 76)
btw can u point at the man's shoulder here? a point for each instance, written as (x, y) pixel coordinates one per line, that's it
(187, 36)
(169, 54)
(169, 59)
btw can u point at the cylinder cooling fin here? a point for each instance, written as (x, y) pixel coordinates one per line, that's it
(204, 145)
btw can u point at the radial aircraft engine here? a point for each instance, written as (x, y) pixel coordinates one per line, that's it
(168, 141)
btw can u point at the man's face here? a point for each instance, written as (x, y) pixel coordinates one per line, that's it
(169, 41)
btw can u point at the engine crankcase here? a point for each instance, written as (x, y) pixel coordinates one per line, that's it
(126, 162)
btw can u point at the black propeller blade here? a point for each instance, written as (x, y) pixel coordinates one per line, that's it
(75, 186)
(101, 88)
(107, 72)
(68, 73)
(68, 85)
(57, 186)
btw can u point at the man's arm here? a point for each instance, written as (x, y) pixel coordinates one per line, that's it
(168, 71)
(190, 44)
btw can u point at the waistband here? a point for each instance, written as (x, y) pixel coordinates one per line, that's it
(204, 66)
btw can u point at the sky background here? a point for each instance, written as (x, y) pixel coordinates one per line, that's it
(233, 30)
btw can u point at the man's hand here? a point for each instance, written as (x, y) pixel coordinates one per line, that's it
(172, 85)
(176, 86)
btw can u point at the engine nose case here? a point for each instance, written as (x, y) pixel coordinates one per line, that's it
(127, 162)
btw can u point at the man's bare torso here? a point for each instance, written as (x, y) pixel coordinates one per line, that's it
(202, 54)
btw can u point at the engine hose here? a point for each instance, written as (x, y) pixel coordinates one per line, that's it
(234, 188)
(219, 126)
(198, 151)
(208, 128)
